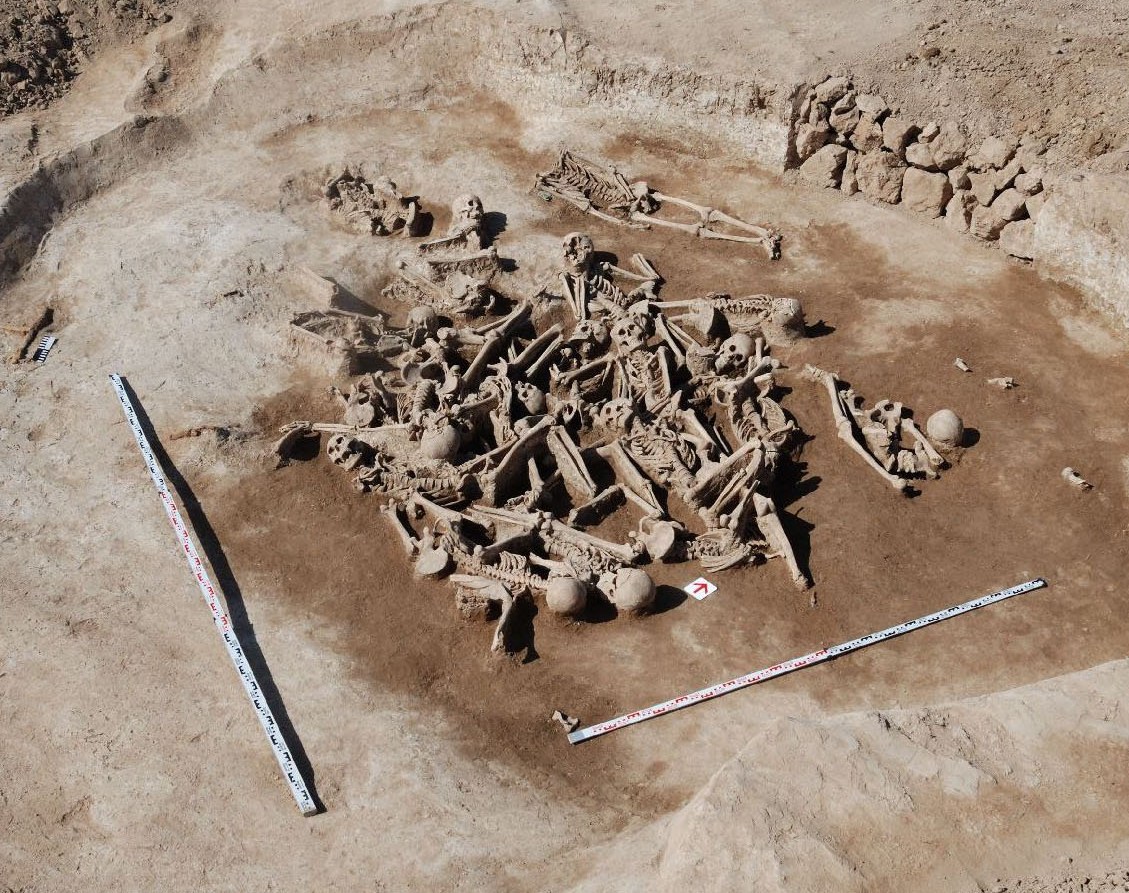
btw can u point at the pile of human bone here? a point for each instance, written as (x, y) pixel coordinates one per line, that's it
(502, 432)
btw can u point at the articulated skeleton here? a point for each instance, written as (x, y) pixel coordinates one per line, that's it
(604, 192)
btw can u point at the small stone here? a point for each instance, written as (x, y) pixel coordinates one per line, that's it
(1009, 204)
(846, 103)
(897, 133)
(958, 176)
(810, 138)
(867, 135)
(929, 132)
(983, 185)
(872, 104)
(880, 176)
(958, 212)
(948, 146)
(832, 89)
(1018, 239)
(919, 155)
(824, 167)
(985, 223)
(926, 193)
(995, 152)
(849, 183)
(1028, 184)
(1034, 204)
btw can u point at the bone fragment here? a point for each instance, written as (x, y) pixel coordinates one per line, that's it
(1076, 480)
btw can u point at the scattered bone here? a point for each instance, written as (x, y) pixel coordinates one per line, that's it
(1005, 383)
(377, 208)
(570, 723)
(962, 365)
(1076, 480)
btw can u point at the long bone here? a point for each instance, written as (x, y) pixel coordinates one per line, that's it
(507, 324)
(411, 543)
(768, 520)
(635, 483)
(570, 461)
(536, 347)
(935, 459)
(769, 239)
(845, 426)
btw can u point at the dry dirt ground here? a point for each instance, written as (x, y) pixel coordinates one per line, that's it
(983, 753)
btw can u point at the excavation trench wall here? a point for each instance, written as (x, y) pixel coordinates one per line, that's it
(996, 189)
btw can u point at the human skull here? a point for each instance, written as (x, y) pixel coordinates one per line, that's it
(628, 334)
(633, 590)
(577, 249)
(945, 429)
(616, 415)
(785, 322)
(566, 595)
(423, 318)
(466, 209)
(440, 441)
(344, 450)
(591, 338)
(734, 354)
(530, 396)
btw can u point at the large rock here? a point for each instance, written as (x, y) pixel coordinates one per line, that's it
(832, 90)
(867, 135)
(809, 138)
(958, 212)
(872, 104)
(985, 223)
(1034, 204)
(897, 134)
(983, 186)
(1018, 239)
(1009, 204)
(1082, 238)
(995, 152)
(824, 167)
(844, 121)
(948, 146)
(924, 192)
(848, 182)
(920, 155)
(880, 176)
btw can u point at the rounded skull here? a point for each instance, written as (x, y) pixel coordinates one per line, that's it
(466, 209)
(945, 429)
(629, 334)
(577, 249)
(425, 319)
(530, 396)
(735, 353)
(590, 337)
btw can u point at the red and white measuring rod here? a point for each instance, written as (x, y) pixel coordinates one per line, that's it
(223, 623)
(796, 663)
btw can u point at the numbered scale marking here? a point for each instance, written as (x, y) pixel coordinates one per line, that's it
(796, 663)
(223, 623)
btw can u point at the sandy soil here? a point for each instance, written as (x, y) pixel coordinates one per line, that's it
(130, 757)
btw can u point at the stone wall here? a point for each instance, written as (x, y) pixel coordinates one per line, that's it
(854, 142)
